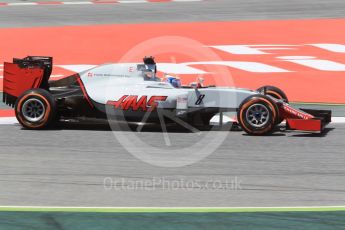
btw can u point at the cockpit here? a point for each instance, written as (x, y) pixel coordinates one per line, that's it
(148, 69)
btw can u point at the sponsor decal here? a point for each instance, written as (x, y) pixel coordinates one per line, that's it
(136, 103)
(182, 102)
(90, 75)
(297, 113)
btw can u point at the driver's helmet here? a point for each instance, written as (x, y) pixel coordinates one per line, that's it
(150, 69)
(150, 63)
(149, 75)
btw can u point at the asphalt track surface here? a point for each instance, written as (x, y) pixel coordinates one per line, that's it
(209, 10)
(67, 167)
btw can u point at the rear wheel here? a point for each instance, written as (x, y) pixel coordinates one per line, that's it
(258, 115)
(273, 92)
(35, 109)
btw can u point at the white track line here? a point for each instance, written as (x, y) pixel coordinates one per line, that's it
(8, 120)
(214, 120)
(175, 208)
(338, 119)
(22, 4)
(226, 119)
(134, 1)
(76, 3)
(187, 0)
(89, 2)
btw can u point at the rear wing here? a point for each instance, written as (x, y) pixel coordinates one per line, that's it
(23, 74)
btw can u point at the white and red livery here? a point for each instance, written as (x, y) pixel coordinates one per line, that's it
(132, 92)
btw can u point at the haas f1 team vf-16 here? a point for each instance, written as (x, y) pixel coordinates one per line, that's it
(133, 92)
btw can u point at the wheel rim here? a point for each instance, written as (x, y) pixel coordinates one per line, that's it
(257, 115)
(33, 110)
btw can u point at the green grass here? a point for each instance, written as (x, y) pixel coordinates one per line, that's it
(325, 218)
(176, 210)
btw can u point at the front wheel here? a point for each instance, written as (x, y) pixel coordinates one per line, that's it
(258, 115)
(35, 109)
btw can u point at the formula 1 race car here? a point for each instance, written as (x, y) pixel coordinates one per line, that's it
(133, 92)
